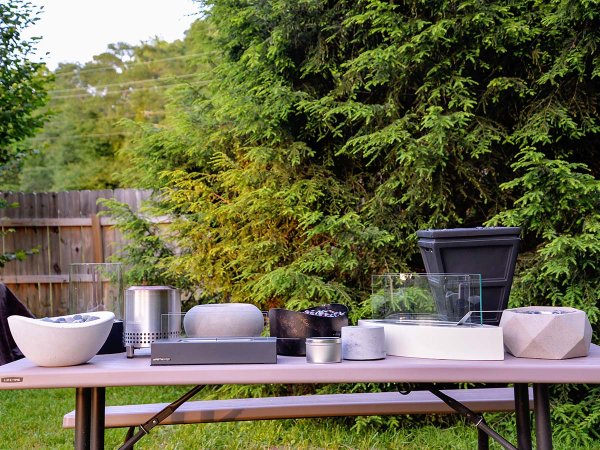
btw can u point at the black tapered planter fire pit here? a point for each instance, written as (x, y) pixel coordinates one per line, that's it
(291, 328)
(489, 251)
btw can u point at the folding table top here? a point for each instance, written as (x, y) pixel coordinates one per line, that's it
(117, 370)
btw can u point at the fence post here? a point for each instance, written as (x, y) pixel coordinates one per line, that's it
(97, 244)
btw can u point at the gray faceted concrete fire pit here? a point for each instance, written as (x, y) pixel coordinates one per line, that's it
(546, 332)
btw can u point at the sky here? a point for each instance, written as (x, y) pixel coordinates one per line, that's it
(76, 30)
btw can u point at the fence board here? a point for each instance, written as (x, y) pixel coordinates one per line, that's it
(24, 211)
(112, 241)
(8, 240)
(65, 221)
(103, 194)
(41, 279)
(61, 250)
(46, 206)
(87, 204)
(10, 211)
(32, 263)
(61, 224)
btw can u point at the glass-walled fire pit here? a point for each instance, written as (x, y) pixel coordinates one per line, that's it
(433, 316)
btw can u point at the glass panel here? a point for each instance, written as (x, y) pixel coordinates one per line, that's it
(96, 287)
(443, 298)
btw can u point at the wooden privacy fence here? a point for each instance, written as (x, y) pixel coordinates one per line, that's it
(65, 228)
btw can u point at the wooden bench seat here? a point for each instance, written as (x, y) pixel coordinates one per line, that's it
(293, 407)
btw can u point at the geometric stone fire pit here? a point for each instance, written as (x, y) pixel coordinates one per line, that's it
(546, 332)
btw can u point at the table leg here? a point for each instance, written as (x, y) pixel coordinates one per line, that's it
(97, 418)
(82, 418)
(543, 431)
(522, 416)
(483, 440)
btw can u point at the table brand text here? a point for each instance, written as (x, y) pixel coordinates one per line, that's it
(12, 380)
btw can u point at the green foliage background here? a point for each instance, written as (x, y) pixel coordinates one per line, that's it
(320, 136)
(332, 131)
(100, 108)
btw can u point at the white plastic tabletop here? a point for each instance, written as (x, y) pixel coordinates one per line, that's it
(117, 370)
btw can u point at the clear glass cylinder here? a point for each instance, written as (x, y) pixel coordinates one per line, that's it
(96, 287)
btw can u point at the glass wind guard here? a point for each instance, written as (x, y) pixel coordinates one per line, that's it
(96, 287)
(427, 298)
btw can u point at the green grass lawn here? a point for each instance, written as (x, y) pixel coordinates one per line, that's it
(33, 418)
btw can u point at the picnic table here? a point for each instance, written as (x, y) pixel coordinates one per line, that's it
(90, 380)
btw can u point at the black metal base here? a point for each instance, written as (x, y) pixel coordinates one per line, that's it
(89, 418)
(522, 416)
(543, 430)
(131, 439)
(484, 432)
(90, 405)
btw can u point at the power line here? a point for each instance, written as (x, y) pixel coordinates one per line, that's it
(124, 83)
(139, 63)
(142, 88)
(74, 136)
(97, 69)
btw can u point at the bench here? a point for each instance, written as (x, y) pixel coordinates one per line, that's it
(307, 406)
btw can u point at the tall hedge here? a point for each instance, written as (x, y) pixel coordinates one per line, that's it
(334, 130)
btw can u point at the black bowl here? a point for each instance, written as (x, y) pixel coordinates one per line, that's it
(293, 327)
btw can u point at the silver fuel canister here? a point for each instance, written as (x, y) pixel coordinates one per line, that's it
(323, 350)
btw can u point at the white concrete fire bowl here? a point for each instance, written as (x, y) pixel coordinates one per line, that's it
(53, 344)
(546, 332)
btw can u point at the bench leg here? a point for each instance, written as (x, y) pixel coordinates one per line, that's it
(474, 418)
(129, 435)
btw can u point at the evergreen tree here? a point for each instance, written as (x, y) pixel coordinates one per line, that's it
(376, 119)
(330, 132)
(334, 130)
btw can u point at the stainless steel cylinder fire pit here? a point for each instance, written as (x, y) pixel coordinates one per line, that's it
(151, 313)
